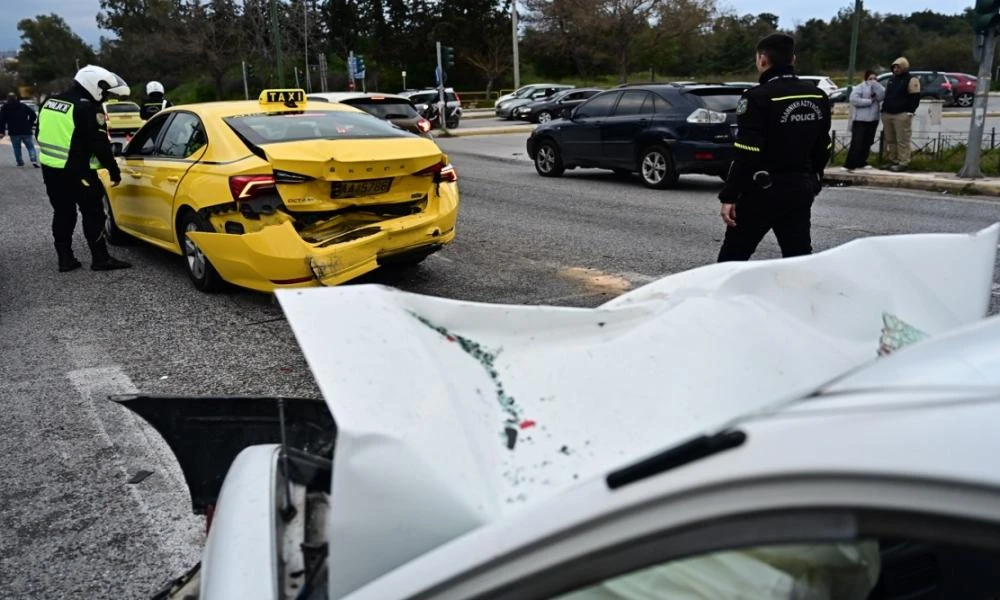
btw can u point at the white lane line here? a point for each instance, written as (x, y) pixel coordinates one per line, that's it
(162, 498)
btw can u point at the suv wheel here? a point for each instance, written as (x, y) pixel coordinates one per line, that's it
(548, 161)
(656, 167)
(544, 116)
(965, 99)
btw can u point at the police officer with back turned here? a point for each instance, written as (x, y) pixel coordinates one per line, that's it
(782, 147)
(73, 143)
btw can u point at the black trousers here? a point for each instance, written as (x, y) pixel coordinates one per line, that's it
(785, 207)
(68, 192)
(862, 138)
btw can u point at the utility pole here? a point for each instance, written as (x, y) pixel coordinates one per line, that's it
(296, 71)
(855, 33)
(975, 146)
(276, 42)
(513, 33)
(442, 105)
(246, 88)
(305, 41)
(322, 72)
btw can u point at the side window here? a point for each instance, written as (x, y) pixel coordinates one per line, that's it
(144, 142)
(183, 137)
(630, 104)
(660, 106)
(598, 106)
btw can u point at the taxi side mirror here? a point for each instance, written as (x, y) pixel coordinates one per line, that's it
(117, 148)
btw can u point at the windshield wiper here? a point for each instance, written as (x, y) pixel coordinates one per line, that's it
(685, 453)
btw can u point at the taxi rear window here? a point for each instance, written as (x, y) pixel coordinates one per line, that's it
(122, 107)
(269, 128)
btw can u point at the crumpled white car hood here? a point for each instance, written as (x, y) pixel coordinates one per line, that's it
(454, 414)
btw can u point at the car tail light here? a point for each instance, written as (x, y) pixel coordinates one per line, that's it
(248, 186)
(442, 171)
(424, 125)
(705, 116)
(704, 156)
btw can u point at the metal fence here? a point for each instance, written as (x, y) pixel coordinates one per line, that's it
(934, 145)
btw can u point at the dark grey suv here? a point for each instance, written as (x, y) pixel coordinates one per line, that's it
(658, 131)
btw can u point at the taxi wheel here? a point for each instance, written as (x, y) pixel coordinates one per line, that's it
(548, 161)
(656, 167)
(114, 236)
(202, 273)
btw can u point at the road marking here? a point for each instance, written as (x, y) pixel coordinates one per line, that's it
(162, 498)
(597, 281)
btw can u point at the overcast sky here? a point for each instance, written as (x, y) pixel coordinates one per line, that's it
(80, 14)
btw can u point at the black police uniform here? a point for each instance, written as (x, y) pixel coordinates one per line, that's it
(77, 185)
(153, 104)
(782, 147)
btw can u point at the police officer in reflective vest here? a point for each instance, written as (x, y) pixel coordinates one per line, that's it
(73, 143)
(154, 102)
(782, 147)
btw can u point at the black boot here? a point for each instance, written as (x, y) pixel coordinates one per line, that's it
(67, 262)
(102, 261)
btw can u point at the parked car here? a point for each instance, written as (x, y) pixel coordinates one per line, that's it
(555, 106)
(841, 95)
(822, 82)
(659, 131)
(123, 118)
(524, 91)
(809, 468)
(395, 109)
(933, 84)
(505, 109)
(427, 101)
(963, 88)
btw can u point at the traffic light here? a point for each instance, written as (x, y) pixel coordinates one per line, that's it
(448, 55)
(250, 71)
(986, 15)
(359, 63)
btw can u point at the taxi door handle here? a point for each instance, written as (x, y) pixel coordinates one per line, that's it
(173, 179)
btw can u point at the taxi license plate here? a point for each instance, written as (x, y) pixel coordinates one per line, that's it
(365, 187)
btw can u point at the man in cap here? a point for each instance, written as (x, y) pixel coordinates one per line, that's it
(73, 143)
(782, 147)
(902, 97)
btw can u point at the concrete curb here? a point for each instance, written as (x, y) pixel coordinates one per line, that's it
(437, 133)
(931, 182)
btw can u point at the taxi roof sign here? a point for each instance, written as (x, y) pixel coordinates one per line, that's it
(291, 98)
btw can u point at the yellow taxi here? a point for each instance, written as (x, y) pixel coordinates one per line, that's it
(122, 117)
(281, 193)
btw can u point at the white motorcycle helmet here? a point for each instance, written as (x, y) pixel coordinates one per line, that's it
(154, 87)
(100, 83)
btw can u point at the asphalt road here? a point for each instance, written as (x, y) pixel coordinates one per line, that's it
(72, 523)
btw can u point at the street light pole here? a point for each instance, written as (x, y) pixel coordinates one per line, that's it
(517, 61)
(855, 33)
(305, 42)
(971, 170)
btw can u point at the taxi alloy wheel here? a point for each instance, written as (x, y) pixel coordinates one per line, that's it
(202, 273)
(548, 162)
(544, 116)
(114, 236)
(656, 167)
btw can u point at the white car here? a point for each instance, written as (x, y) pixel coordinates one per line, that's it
(726, 432)
(822, 82)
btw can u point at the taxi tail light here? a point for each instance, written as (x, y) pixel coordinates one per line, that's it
(244, 187)
(441, 171)
(424, 125)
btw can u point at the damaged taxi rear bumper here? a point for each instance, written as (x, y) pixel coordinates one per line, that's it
(277, 256)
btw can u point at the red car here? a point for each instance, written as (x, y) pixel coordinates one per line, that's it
(963, 88)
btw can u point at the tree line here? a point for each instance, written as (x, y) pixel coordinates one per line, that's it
(195, 47)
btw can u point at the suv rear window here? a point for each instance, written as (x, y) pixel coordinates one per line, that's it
(267, 128)
(385, 108)
(121, 107)
(720, 101)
